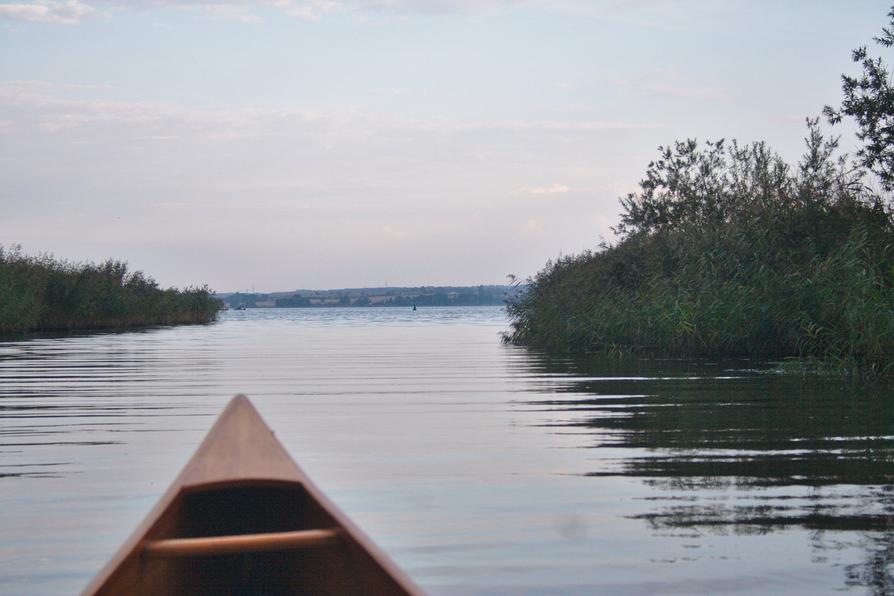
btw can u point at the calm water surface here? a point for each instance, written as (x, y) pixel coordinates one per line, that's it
(480, 468)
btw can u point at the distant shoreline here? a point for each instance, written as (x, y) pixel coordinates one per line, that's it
(490, 295)
(356, 306)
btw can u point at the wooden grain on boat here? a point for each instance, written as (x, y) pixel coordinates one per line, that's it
(243, 518)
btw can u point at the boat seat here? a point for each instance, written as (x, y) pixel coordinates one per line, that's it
(242, 543)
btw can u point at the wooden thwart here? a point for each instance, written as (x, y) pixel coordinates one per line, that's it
(243, 543)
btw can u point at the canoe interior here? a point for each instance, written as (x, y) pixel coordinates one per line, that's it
(250, 509)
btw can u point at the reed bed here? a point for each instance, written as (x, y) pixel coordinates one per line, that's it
(730, 251)
(42, 293)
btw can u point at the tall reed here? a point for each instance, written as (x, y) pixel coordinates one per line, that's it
(45, 294)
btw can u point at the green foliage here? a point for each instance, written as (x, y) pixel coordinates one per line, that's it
(869, 99)
(730, 251)
(43, 294)
(294, 301)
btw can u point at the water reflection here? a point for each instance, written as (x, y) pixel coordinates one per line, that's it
(732, 450)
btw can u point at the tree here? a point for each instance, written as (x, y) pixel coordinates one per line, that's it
(869, 99)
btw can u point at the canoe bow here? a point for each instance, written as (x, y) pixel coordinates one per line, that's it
(242, 517)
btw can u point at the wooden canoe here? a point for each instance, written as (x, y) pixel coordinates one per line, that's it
(243, 518)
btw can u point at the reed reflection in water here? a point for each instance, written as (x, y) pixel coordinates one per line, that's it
(733, 451)
(481, 468)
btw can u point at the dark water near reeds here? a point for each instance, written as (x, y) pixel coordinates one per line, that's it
(481, 468)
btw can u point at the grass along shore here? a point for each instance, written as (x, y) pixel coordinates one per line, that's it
(46, 294)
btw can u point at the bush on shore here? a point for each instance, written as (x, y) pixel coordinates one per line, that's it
(45, 294)
(728, 250)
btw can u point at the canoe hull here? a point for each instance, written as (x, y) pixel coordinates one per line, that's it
(243, 518)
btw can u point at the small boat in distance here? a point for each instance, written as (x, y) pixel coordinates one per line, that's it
(241, 307)
(243, 518)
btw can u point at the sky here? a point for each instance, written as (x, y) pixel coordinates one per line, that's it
(287, 144)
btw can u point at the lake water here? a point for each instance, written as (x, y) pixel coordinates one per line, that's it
(480, 468)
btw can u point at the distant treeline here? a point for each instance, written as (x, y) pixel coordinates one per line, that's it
(360, 297)
(46, 294)
(728, 250)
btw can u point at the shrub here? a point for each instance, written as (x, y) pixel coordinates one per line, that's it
(728, 250)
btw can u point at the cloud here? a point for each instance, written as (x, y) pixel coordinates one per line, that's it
(87, 137)
(309, 10)
(243, 11)
(289, 180)
(60, 13)
(404, 91)
(430, 7)
(84, 116)
(555, 189)
(69, 12)
(573, 125)
(537, 126)
(670, 83)
(56, 107)
(233, 12)
(531, 226)
(664, 15)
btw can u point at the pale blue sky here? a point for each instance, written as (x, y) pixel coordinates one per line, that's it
(348, 142)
